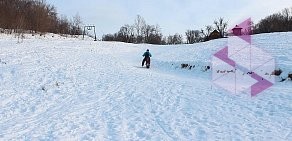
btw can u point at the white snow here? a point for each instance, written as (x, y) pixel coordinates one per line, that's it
(57, 88)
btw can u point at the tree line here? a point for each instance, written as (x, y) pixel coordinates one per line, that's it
(278, 22)
(36, 16)
(141, 32)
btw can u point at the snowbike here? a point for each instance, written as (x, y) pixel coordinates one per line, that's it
(147, 60)
(148, 64)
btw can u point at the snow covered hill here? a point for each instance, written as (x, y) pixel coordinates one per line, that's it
(56, 88)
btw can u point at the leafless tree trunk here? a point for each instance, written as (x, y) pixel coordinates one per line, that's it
(221, 26)
(140, 25)
(190, 34)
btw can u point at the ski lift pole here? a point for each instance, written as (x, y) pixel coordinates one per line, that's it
(94, 34)
(83, 32)
(90, 27)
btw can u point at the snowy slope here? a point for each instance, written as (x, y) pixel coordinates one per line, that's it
(55, 88)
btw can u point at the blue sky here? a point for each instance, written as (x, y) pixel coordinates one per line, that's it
(173, 16)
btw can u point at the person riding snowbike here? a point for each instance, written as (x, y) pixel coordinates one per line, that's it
(146, 59)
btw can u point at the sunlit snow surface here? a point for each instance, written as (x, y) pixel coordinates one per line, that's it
(56, 88)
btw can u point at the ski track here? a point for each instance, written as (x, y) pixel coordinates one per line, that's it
(82, 90)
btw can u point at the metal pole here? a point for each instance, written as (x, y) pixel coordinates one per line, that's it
(83, 32)
(94, 34)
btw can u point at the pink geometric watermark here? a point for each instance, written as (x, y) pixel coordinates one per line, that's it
(241, 66)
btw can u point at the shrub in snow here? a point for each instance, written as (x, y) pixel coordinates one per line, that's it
(290, 76)
(184, 66)
(2, 62)
(205, 68)
(187, 66)
(277, 72)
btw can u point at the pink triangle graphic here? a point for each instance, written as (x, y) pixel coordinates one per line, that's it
(260, 86)
(223, 55)
(245, 29)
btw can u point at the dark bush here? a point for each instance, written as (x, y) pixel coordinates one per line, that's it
(290, 76)
(277, 72)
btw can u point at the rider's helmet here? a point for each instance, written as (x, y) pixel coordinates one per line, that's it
(147, 50)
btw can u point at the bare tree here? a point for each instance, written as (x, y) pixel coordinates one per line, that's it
(149, 29)
(175, 39)
(155, 36)
(198, 37)
(76, 25)
(193, 36)
(140, 25)
(286, 14)
(209, 29)
(131, 32)
(206, 33)
(140, 32)
(221, 26)
(190, 34)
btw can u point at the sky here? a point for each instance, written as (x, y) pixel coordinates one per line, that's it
(173, 16)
